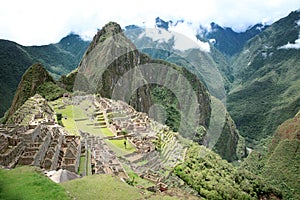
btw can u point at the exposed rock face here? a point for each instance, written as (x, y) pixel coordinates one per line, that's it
(35, 76)
(113, 62)
(109, 56)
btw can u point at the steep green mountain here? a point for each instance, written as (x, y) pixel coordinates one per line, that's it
(211, 67)
(229, 144)
(14, 61)
(280, 164)
(267, 80)
(116, 69)
(36, 79)
(59, 59)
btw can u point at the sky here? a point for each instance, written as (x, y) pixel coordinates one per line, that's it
(37, 22)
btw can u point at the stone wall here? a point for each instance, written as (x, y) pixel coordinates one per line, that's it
(13, 150)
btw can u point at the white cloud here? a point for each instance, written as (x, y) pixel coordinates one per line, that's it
(295, 45)
(41, 22)
(186, 38)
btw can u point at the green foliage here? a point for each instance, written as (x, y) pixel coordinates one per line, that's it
(124, 132)
(67, 81)
(280, 165)
(266, 83)
(214, 178)
(50, 91)
(13, 63)
(28, 183)
(164, 97)
(282, 168)
(34, 77)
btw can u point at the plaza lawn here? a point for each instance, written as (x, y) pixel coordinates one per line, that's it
(68, 120)
(28, 183)
(118, 147)
(106, 132)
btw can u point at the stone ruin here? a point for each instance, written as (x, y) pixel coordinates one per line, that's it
(104, 160)
(44, 146)
(38, 141)
(120, 117)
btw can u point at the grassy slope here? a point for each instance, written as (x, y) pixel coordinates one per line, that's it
(280, 165)
(101, 187)
(112, 188)
(28, 183)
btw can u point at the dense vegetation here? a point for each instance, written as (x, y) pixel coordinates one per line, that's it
(13, 63)
(266, 87)
(214, 178)
(281, 162)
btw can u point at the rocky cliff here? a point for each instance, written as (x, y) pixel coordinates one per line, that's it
(115, 68)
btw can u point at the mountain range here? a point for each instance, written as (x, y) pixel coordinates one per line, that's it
(246, 86)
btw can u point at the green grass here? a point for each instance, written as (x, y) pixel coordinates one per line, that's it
(82, 165)
(101, 187)
(69, 123)
(106, 132)
(28, 183)
(109, 187)
(118, 147)
(120, 144)
(68, 112)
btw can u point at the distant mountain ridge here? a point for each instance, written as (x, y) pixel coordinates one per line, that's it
(15, 59)
(227, 40)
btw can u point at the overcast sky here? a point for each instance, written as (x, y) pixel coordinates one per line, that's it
(37, 22)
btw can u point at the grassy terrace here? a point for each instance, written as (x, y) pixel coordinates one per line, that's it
(118, 147)
(28, 183)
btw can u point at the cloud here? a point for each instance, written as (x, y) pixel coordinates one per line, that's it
(295, 45)
(188, 31)
(35, 22)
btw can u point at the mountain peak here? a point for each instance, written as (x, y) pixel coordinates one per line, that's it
(34, 76)
(108, 30)
(111, 28)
